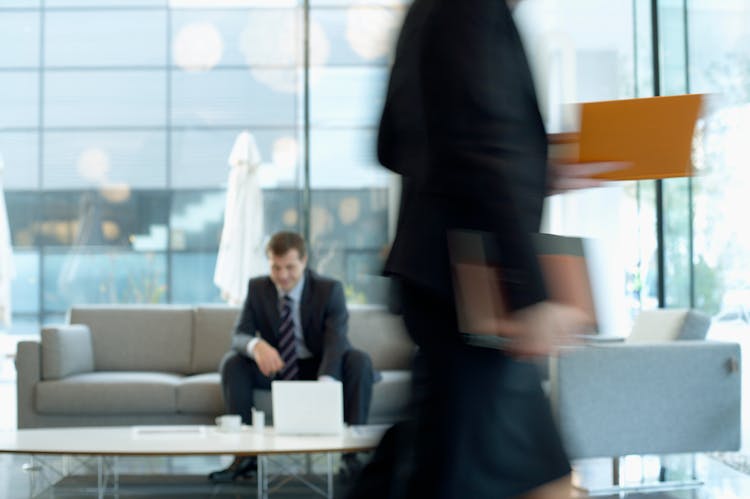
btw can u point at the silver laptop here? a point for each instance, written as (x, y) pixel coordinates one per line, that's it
(307, 407)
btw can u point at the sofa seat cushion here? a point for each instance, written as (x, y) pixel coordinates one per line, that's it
(200, 394)
(109, 393)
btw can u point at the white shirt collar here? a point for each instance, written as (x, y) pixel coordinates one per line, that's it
(296, 293)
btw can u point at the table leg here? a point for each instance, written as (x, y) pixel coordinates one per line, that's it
(262, 484)
(32, 468)
(329, 466)
(116, 476)
(100, 477)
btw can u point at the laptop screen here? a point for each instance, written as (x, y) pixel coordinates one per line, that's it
(307, 407)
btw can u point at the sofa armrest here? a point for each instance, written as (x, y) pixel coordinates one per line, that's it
(28, 374)
(672, 397)
(66, 349)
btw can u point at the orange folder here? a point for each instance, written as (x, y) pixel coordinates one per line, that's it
(654, 135)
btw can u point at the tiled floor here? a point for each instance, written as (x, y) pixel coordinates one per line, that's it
(185, 478)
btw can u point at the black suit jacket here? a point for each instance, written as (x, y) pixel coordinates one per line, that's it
(322, 311)
(462, 127)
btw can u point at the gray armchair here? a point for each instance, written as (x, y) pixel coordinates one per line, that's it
(660, 391)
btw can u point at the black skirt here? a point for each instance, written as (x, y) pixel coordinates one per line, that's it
(483, 425)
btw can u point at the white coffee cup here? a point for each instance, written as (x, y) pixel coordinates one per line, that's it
(229, 423)
(259, 421)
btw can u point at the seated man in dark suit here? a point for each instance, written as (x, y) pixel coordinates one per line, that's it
(293, 326)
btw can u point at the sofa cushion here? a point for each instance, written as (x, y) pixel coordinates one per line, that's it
(200, 394)
(212, 336)
(382, 335)
(138, 337)
(119, 393)
(66, 350)
(669, 325)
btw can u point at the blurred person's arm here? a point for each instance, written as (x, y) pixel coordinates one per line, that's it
(566, 173)
(540, 329)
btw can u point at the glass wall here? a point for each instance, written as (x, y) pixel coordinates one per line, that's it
(351, 45)
(116, 146)
(720, 67)
(579, 54)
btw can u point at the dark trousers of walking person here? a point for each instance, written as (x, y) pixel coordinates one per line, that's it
(480, 424)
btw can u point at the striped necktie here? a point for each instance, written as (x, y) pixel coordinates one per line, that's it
(287, 343)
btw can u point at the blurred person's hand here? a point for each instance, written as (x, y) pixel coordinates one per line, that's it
(564, 177)
(565, 173)
(540, 329)
(268, 359)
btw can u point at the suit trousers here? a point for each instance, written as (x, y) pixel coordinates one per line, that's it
(240, 375)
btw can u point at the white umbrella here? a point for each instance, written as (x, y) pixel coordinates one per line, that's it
(241, 254)
(7, 267)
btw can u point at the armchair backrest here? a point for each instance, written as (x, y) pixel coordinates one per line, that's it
(669, 325)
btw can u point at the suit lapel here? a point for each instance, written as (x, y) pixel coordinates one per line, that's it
(271, 304)
(305, 306)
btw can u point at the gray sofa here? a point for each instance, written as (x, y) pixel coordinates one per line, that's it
(122, 365)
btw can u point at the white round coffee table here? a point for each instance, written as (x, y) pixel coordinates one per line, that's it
(102, 442)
